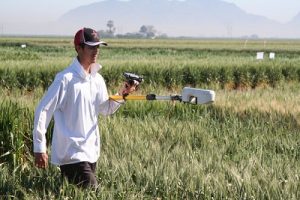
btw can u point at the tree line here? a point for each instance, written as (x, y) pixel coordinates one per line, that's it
(145, 31)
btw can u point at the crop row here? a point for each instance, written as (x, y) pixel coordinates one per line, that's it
(224, 77)
(16, 122)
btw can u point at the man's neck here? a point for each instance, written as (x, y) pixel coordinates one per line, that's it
(86, 66)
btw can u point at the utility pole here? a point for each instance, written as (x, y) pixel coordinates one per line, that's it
(2, 29)
(229, 31)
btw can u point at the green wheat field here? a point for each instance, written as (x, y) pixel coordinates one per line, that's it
(246, 145)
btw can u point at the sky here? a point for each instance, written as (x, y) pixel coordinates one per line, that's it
(28, 10)
(279, 10)
(13, 12)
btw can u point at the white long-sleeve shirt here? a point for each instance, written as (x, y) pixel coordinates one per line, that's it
(75, 99)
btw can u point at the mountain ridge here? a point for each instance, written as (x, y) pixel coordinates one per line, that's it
(196, 18)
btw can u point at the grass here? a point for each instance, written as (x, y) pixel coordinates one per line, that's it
(244, 146)
(284, 99)
(166, 63)
(154, 150)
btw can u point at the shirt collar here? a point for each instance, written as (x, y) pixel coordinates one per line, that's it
(95, 67)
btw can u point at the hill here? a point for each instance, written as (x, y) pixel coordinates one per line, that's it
(198, 18)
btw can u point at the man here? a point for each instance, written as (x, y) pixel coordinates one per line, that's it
(75, 98)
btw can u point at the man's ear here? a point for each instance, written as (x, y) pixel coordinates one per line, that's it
(78, 47)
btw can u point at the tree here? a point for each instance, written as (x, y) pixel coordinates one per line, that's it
(148, 31)
(111, 27)
(143, 29)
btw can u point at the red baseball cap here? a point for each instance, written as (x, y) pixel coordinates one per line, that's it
(89, 37)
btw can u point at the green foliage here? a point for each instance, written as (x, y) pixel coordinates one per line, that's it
(27, 79)
(8, 78)
(159, 61)
(154, 150)
(257, 77)
(161, 150)
(15, 133)
(17, 54)
(289, 73)
(241, 77)
(274, 75)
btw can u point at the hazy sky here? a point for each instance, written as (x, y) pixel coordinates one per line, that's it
(50, 10)
(28, 10)
(279, 10)
(17, 15)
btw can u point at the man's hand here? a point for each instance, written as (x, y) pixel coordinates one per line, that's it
(41, 160)
(128, 88)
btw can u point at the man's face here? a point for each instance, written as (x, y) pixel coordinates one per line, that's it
(88, 54)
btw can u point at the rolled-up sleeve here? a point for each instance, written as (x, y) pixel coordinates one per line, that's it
(106, 106)
(109, 107)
